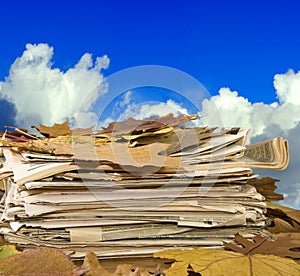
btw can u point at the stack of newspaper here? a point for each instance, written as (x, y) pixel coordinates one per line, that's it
(133, 188)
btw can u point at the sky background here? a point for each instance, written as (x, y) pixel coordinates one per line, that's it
(245, 53)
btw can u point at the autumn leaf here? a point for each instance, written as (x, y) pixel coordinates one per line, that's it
(266, 186)
(94, 268)
(2, 186)
(284, 219)
(281, 247)
(61, 130)
(221, 262)
(129, 270)
(7, 250)
(55, 130)
(133, 126)
(36, 262)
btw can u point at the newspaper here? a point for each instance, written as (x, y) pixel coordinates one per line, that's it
(134, 192)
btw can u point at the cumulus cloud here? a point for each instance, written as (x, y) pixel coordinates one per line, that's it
(43, 94)
(7, 113)
(148, 110)
(127, 107)
(266, 121)
(36, 92)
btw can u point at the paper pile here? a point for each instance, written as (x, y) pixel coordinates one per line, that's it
(133, 188)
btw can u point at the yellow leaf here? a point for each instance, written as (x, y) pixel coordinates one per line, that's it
(178, 268)
(7, 250)
(221, 262)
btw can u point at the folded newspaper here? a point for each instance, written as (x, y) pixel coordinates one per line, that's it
(133, 188)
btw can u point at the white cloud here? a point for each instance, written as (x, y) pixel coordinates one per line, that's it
(125, 99)
(266, 121)
(126, 107)
(43, 94)
(147, 110)
(288, 87)
(236, 110)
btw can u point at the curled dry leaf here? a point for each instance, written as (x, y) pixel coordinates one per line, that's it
(284, 219)
(221, 262)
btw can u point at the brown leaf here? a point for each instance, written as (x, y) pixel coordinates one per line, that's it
(282, 226)
(266, 186)
(61, 130)
(282, 246)
(284, 219)
(36, 262)
(132, 126)
(2, 186)
(93, 267)
(221, 262)
(55, 130)
(129, 270)
(293, 237)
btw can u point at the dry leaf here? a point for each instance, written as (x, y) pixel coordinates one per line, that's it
(282, 246)
(266, 186)
(8, 250)
(221, 262)
(93, 267)
(132, 126)
(61, 130)
(55, 130)
(284, 219)
(282, 226)
(36, 262)
(129, 270)
(2, 186)
(293, 237)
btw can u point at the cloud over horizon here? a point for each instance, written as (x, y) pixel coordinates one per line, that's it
(36, 92)
(267, 121)
(43, 94)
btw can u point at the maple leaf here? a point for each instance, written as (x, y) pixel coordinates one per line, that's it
(221, 262)
(43, 261)
(260, 245)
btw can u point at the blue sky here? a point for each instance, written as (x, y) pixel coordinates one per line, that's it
(51, 53)
(240, 44)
